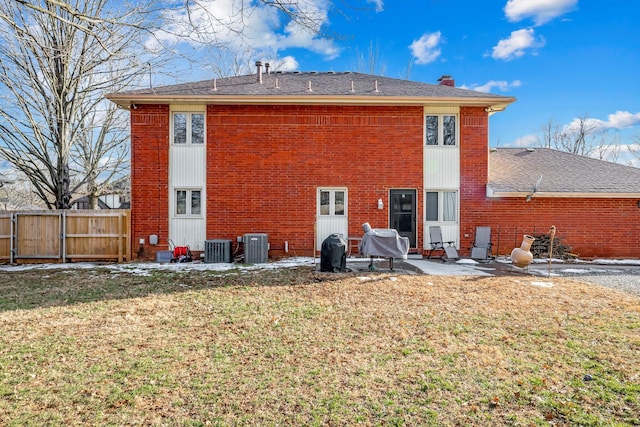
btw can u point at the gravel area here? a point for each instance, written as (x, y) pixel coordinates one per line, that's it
(624, 282)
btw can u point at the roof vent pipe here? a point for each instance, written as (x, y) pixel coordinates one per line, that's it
(352, 88)
(266, 68)
(309, 89)
(259, 69)
(375, 86)
(215, 84)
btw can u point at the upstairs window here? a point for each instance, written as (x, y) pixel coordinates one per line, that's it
(188, 128)
(440, 130)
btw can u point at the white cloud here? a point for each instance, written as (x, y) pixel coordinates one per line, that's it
(426, 48)
(238, 24)
(541, 11)
(288, 63)
(529, 140)
(516, 45)
(502, 86)
(378, 3)
(618, 120)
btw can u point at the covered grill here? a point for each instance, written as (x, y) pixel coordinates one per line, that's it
(383, 242)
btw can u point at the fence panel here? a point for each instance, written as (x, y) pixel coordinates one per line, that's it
(60, 236)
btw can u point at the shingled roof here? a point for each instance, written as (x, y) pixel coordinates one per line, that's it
(311, 87)
(513, 172)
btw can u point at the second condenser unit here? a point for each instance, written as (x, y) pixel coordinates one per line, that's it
(256, 248)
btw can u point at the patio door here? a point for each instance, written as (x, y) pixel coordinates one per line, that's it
(403, 214)
(331, 214)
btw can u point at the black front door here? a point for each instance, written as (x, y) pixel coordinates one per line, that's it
(402, 213)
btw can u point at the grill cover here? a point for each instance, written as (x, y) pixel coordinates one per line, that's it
(333, 256)
(383, 242)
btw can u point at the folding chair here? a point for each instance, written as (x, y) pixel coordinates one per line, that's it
(435, 235)
(481, 249)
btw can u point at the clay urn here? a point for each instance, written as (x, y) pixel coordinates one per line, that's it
(522, 256)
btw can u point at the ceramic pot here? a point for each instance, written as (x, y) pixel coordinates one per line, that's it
(522, 256)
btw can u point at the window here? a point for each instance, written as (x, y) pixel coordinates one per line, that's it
(332, 202)
(442, 206)
(188, 128)
(440, 130)
(188, 202)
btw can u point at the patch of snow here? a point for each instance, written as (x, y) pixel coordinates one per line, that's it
(466, 261)
(542, 284)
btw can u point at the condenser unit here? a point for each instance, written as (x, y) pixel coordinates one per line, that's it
(218, 250)
(256, 248)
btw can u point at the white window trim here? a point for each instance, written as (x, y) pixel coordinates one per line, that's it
(189, 114)
(441, 192)
(440, 117)
(332, 207)
(189, 214)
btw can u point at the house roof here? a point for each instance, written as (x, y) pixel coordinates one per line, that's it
(514, 172)
(311, 88)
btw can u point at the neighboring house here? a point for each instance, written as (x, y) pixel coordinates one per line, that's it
(302, 155)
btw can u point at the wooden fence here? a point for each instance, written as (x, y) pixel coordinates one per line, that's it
(65, 236)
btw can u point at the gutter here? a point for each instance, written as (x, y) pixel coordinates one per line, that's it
(560, 194)
(490, 104)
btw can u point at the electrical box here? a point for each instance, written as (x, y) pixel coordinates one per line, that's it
(256, 248)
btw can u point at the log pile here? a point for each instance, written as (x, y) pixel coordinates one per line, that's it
(540, 247)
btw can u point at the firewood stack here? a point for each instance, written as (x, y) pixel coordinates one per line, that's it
(540, 247)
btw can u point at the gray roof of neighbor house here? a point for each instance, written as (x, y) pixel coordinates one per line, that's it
(311, 87)
(514, 172)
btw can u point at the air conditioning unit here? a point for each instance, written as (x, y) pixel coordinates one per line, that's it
(256, 248)
(217, 250)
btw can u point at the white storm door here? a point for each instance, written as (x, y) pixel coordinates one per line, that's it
(331, 214)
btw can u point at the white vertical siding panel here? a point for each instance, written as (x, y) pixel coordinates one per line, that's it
(188, 166)
(441, 167)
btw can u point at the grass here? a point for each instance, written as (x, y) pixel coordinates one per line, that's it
(296, 347)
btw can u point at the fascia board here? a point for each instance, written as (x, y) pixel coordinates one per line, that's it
(126, 101)
(560, 195)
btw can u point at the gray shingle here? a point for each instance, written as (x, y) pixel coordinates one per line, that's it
(516, 170)
(321, 83)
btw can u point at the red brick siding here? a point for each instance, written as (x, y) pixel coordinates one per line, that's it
(265, 164)
(149, 177)
(592, 227)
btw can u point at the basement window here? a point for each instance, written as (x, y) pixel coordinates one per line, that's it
(188, 128)
(440, 130)
(188, 202)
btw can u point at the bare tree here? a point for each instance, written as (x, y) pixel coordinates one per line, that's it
(57, 60)
(59, 57)
(369, 61)
(583, 136)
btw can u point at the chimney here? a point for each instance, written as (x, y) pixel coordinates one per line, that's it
(266, 68)
(446, 80)
(259, 68)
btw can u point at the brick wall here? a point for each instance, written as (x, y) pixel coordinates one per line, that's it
(149, 178)
(265, 164)
(592, 227)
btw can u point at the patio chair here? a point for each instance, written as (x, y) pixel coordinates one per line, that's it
(481, 249)
(437, 244)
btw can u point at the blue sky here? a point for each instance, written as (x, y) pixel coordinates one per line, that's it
(561, 59)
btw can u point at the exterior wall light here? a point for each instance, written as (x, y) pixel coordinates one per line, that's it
(380, 204)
